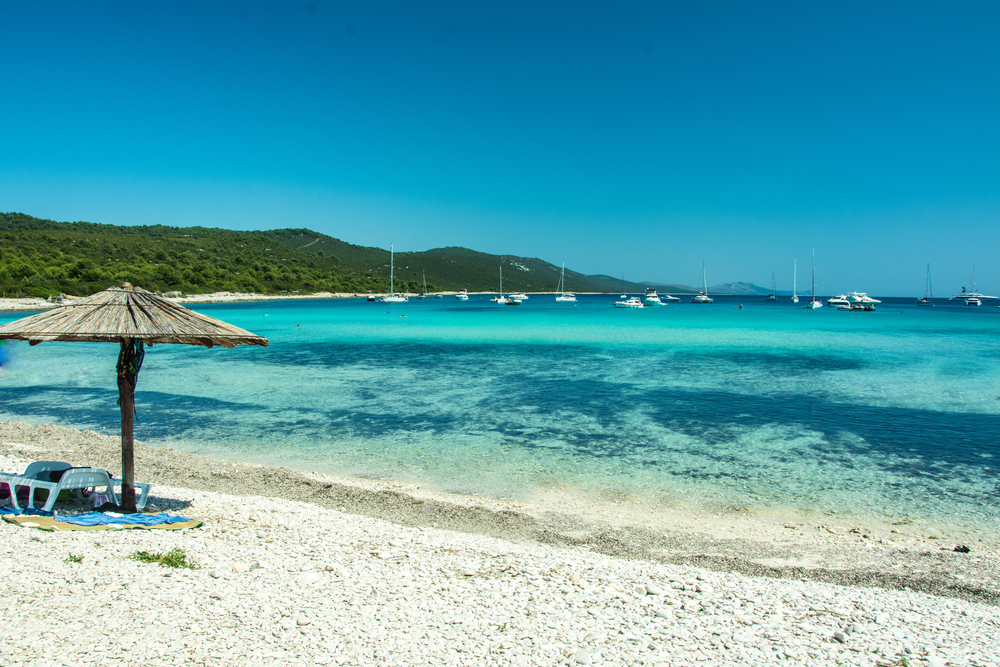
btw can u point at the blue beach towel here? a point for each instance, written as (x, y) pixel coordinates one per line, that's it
(27, 510)
(100, 519)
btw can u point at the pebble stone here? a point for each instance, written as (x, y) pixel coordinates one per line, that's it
(321, 593)
(313, 588)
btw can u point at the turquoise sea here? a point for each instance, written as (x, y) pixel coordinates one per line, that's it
(893, 415)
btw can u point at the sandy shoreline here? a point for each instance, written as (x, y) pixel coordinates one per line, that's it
(905, 557)
(33, 303)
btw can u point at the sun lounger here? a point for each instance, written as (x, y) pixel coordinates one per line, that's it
(72, 478)
(36, 476)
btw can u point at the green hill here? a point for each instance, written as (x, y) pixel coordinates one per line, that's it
(42, 257)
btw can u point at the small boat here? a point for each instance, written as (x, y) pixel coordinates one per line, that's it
(795, 280)
(462, 296)
(392, 296)
(564, 297)
(772, 296)
(652, 299)
(371, 297)
(926, 301)
(629, 302)
(813, 304)
(667, 298)
(520, 296)
(702, 297)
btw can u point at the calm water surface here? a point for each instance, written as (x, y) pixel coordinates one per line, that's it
(893, 414)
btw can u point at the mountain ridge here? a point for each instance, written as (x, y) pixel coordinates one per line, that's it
(39, 257)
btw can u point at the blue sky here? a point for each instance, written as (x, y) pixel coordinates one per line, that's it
(618, 137)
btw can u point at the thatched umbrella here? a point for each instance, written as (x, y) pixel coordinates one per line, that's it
(132, 317)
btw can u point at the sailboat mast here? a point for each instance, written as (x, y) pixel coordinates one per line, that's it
(391, 289)
(814, 275)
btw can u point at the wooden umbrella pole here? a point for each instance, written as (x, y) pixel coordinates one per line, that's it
(126, 396)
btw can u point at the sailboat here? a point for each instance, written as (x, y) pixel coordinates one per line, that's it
(506, 300)
(423, 295)
(563, 296)
(702, 297)
(926, 301)
(813, 304)
(972, 298)
(392, 297)
(795, 281)
(772, 296)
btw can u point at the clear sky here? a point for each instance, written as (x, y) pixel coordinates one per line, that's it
(635, 137)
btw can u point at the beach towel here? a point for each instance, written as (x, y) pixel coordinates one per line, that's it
(53, 524)
(27, 510)
(101, 519)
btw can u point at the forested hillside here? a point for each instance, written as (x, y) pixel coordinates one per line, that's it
(42, 257)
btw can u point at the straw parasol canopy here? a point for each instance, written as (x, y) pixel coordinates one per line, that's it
(133, 318)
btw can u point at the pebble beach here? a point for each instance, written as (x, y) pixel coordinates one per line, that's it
(303, 569)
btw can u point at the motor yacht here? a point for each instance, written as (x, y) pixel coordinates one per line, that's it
(629, 302)
(838, 301)
(862, 298)
(652, 299)
(972, 297)
(462, 295)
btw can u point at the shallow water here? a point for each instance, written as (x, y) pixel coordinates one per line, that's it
(893, 414)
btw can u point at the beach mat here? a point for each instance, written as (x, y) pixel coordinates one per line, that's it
(53, 524)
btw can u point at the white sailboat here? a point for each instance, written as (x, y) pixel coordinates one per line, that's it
(926, 301)
(772, 296)
(392, 297)
(702, 297)
(563, 296)
(795, 281)
(506, 300)
(423, 295)
(813, 304)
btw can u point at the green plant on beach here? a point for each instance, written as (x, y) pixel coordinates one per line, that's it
(74, 559)
(173, 558)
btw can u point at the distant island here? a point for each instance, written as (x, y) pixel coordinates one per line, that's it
(42, 257)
